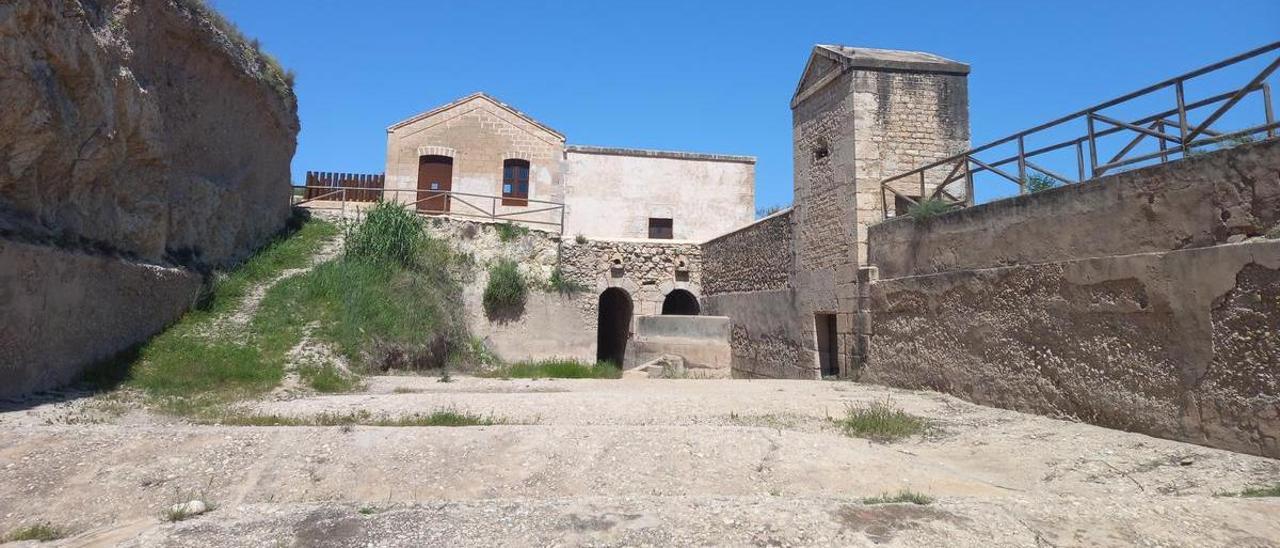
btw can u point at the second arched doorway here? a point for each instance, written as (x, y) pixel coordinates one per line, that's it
(613, 326)
(680, 302)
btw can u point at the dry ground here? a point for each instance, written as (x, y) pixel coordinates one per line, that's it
(618, 462)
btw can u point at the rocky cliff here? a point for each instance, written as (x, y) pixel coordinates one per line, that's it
(147, 127)
(140, 142)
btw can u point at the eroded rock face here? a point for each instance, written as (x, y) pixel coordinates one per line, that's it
(143, 127)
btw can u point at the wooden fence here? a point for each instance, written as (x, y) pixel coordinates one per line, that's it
(368, 185)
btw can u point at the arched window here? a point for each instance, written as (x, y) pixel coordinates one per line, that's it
(515, 182)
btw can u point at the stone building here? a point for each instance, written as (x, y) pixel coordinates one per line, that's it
(858, 114)
(478, 145)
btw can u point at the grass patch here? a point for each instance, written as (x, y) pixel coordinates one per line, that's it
(1272, 490)
(510, 231)
(328, 379)
(903, 496)
(439, 417)
(42, 532)
(1274, 233)
(389, 233)
(880, 421)
(580, 239)
(557, 369)
(505, 293)
(928, 209)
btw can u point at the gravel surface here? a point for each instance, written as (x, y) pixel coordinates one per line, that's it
(627, 462)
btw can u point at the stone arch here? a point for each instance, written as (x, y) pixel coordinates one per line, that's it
(613, 325)
(680, 302)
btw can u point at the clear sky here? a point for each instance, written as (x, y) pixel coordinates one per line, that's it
(708, 76)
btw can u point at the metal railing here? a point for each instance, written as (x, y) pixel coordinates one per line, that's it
(1172, 128)
(436, 203)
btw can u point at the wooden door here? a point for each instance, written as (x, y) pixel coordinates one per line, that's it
(435, 179)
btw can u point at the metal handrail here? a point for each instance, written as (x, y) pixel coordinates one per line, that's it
(451, 195)
(1187, 139)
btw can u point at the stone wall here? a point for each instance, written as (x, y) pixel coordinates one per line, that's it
(757, 257)
(1181, 345)
(135, 136)
(143, 128)
(563, 325)
(61, 310)
(1204, 200)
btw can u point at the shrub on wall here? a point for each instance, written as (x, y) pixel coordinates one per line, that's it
(508, 231)
(1037, 182)
(928, 209)
(505, 293)
(389, 232)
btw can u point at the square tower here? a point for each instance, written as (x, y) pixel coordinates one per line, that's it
(860, 115)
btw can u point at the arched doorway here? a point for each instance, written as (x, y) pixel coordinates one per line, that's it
(680, 302)
(613, 327)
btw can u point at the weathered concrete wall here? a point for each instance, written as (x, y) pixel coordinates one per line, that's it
(1204, 200)
(702, 341)
(61, 310)
(612, 193)
(479, 133)
(141, 127)
(1182, 344)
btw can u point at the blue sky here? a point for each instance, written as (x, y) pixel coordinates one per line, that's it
(709, 76)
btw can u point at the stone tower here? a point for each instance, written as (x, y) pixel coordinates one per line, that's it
(859, 115)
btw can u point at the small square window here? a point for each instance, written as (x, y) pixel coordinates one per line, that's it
(660, 229)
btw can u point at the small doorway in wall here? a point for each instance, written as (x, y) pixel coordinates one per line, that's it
(680, 302)
(435, 180)
(828, 344)
(613, 326)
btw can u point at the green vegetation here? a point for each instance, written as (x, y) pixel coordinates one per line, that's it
(328, 379)
(197, 362)
(559, 284)
(880, 421)
(905, 495)
(1274, 233)
(1037, 182)
(391, 302)
(42, 532)
(580, 239)
(390, 233)
(505, 293)
(557, 369)
(509, 231)
(1272, 490)
(928, 209)
(439, 417)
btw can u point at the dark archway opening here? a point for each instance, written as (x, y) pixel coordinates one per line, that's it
(680, 302)
(613, 327)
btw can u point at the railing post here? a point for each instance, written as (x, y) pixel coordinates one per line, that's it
(1160, 127)
(1182, 116)
(1079, 161)
(1093, 147)
(1022, 165)
(922, 190)
(968, 183)
(1266, 107)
